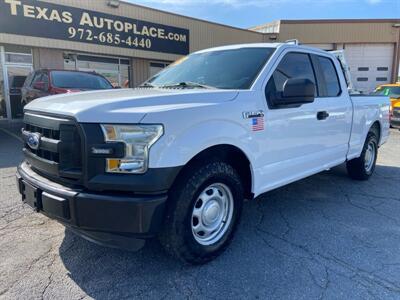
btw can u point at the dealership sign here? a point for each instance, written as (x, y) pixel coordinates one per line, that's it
(48, 20)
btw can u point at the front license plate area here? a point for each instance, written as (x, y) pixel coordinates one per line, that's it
(31, 196)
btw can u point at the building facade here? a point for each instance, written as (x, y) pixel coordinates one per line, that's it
(371, 47)
(128, 43)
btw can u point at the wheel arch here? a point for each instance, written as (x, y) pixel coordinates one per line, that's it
(231, 154)
(377, 128)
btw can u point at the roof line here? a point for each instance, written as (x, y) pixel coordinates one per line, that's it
(186, 17)
(303, 21)
(340, 21)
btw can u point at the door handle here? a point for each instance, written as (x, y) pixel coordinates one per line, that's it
(322, 115)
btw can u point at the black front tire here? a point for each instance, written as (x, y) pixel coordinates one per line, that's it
(177, 236)
(357, 168)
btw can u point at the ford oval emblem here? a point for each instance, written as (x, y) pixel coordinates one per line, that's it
(33, 140)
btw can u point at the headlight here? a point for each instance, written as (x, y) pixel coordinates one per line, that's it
(138, 139)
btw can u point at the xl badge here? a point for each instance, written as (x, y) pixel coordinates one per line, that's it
(253, 114)
(33, 140)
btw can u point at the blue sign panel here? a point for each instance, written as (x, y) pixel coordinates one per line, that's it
(48, 20)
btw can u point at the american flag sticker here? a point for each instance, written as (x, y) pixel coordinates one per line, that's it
(257, 123)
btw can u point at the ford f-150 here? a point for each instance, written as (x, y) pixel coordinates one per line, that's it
(176, 157)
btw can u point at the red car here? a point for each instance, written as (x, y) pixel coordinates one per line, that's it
(46, 82)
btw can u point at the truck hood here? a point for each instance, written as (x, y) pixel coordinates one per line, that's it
(126, 105)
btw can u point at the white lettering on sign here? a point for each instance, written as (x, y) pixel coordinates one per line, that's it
(32, 18)
(30, 11)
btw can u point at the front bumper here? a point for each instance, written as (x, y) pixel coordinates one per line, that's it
(122, 220)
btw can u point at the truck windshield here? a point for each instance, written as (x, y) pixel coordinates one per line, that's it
(223, 69)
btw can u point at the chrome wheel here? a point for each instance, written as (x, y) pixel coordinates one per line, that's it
(212, 214)
(369, 156)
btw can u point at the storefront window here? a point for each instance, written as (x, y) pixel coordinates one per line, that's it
(14, 68)
(18, 58)
(69, 64)
(116, 70)
(16, 77)
(3, 112)
(156, 67)
(125, 71)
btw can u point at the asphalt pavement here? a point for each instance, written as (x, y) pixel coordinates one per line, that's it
(324, 237)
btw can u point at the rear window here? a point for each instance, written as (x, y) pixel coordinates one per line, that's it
(77, 80)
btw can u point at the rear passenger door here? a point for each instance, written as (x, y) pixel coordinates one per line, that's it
(337, 105)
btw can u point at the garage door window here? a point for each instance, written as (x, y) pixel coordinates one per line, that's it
(381, 79)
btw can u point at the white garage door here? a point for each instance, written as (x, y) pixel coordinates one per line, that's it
(370, 64)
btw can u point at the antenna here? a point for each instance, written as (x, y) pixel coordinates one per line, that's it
(292, 41)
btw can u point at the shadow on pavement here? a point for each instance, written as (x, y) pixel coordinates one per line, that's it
(285, 234)
(10, 150)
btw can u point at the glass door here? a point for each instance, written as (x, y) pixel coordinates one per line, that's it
(16, 75)
(3, 106)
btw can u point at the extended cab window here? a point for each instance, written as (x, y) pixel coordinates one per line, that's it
(293, 65)
(331, 81)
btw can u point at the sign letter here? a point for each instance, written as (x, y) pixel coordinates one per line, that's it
(13, 6)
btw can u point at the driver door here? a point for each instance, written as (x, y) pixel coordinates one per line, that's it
(293, 135)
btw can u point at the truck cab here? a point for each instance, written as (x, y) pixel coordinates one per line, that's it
(176, 157)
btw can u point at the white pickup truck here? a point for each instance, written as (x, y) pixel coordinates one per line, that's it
(176, 158)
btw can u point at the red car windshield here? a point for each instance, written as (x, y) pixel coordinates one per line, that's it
(80, 81)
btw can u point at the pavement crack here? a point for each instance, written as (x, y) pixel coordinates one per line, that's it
(365, 275)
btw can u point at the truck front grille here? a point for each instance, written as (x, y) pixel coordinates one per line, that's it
(59, 153)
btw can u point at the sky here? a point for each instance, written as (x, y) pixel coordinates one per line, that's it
(245, 14)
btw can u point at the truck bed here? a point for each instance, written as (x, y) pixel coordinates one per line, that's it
(367, 108)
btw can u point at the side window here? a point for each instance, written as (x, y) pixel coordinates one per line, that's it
(293, 65)
(29, 79)
(37, 78)
(330, 78)
(45, 79)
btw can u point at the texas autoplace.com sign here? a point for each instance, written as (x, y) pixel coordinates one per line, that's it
(48, 20)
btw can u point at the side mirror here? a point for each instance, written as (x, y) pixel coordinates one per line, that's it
(40, 85)
(296, 91)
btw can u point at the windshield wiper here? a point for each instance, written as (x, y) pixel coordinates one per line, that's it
(146, 84)
(188, 84)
